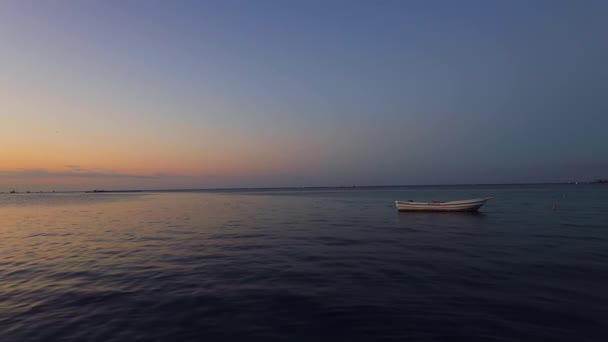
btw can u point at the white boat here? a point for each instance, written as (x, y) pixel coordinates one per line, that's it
(464, 205)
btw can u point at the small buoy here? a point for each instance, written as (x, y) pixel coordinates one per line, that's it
(554, 207)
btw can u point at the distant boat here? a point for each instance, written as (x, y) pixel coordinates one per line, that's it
(463, 205)
(13, 192)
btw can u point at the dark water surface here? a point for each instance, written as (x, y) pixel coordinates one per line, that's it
(333, 265)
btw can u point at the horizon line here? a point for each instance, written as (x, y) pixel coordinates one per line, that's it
(299, 187)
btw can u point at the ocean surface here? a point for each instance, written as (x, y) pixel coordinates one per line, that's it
(305, 265)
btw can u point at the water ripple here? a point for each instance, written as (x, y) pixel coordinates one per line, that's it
(334, 266)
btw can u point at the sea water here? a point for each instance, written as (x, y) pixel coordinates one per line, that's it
(305, 265)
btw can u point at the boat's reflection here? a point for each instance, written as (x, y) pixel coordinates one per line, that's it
(407, 217)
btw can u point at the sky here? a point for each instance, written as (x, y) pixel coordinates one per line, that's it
(211, 94)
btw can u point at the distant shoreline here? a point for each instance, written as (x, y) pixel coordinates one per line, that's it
(111, 191)
(352, 187)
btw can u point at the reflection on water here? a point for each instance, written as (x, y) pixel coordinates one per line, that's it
(302, 265)
(463, 216)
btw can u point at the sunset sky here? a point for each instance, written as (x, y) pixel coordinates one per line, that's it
(203, 94)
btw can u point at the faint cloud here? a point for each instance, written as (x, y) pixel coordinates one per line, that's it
(74, 171)
(76, 168)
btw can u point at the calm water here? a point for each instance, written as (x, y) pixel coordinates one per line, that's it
(333, 265)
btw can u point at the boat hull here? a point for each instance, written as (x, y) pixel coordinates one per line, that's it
(453, 206)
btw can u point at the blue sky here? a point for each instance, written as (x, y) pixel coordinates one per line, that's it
(290, 93)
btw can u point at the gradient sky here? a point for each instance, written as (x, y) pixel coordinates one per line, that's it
(197, 94)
